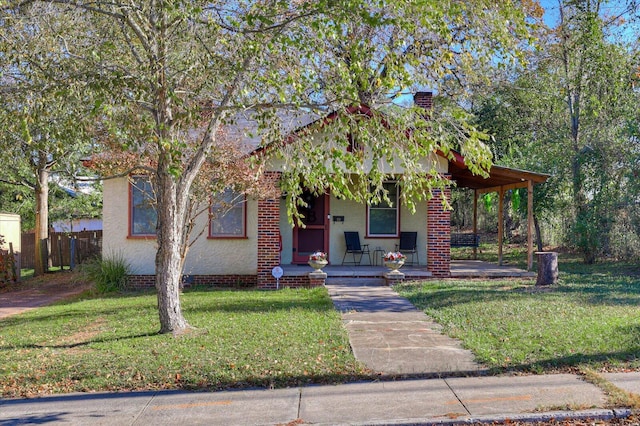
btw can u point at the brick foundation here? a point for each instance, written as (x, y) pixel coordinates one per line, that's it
(146, 282)
(140, 282)
(439, 235)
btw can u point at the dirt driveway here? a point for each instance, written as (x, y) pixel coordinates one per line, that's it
(40, 291)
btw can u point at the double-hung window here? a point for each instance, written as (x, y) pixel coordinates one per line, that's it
(383, 218)
(228, 215)
(142, 204)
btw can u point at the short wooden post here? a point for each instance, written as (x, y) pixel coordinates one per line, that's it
(547, 267)
(529, 225)
(500, 224)
(60, 252)
(475, 222)
(15, 273)
(72, 256)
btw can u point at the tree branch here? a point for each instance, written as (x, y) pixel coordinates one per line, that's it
(80, 5)
(18, 183)
(208, 139)
(221, 22)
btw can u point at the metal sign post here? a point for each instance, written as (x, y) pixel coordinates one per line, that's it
(277, 272)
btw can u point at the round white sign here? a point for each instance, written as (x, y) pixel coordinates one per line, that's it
(277, 272)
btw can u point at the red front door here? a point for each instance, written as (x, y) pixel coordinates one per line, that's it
(315, 235)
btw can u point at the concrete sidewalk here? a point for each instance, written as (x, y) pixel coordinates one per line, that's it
(427, 401)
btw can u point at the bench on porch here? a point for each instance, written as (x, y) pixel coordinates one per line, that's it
(465, 240)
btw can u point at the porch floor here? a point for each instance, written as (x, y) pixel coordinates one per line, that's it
(480, 269)
(459, 269)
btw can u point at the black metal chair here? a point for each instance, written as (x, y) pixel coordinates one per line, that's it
(352, 241)
(409, 246)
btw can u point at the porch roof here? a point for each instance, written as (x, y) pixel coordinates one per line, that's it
(500, 177)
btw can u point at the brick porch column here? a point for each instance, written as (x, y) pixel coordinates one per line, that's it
(439, 235)
(268, 237)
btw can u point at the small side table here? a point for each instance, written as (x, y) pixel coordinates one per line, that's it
(378, 254)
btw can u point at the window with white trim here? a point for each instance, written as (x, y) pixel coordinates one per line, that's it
(228, 216)
(143, 214)
(383, 218)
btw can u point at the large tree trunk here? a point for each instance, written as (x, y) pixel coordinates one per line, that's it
(170, 191)
(42, 222)
(169, 257)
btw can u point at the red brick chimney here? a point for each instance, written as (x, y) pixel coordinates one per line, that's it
(423, 99)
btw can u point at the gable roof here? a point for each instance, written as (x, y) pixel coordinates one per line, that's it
(500, 177)
(245, 126)
(313, 121)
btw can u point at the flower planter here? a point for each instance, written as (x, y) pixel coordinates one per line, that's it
(318, 264)
(394, 265)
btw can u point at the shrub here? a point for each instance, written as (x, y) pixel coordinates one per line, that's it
(108, 274)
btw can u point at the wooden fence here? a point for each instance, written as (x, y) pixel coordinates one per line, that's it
(87, 244)
(9, 272)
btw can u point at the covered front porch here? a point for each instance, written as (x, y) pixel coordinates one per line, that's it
(328, 219)
(458, 268)
(500, 180)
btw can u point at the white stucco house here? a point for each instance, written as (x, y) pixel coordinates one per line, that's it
(243, 247)
(10, 243)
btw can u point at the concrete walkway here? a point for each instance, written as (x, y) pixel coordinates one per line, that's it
(391, 337)
(17, 302)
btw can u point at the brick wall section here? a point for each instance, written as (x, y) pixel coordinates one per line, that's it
(439, 235)
(227, 281)
(268, 237)
(298, 281)
(140, 282)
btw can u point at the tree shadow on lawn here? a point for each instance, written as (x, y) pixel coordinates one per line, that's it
(623, 359)
(270, 303)
(452, 296)
(43, 315)
(578, 267)
(78, 344)
(601, 289)
(595, 289)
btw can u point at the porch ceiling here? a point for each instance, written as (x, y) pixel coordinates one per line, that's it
(499, 177)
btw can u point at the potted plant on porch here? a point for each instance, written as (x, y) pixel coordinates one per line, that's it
(394, 260)
(318, 260)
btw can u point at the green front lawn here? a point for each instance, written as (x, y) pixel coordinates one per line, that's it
(589, 322)
(591, 319)
(242, 339)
